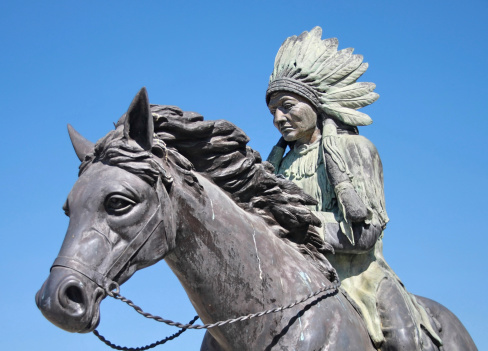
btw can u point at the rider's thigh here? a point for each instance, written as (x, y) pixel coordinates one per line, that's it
(398, 325)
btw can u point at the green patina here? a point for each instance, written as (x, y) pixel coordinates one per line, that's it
(360, 273)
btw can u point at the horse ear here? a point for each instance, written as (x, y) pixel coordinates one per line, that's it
(139, 125)
(82, 146)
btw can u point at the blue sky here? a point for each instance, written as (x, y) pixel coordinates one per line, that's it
(82, 62)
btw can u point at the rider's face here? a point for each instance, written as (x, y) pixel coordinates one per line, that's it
(294, 117)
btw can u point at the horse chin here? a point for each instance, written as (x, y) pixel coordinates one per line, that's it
(70, 301)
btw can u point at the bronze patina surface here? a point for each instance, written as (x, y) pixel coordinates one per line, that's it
(243, 235)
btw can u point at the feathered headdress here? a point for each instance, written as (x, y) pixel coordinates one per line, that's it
(313, 68)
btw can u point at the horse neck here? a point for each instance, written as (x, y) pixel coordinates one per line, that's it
(228, 260)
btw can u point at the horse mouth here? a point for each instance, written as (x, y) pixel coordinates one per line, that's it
(70, 302)
(95, 320)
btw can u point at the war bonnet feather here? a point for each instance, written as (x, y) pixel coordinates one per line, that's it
(313, 68)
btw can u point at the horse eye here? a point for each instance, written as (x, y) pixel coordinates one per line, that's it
(118, 204)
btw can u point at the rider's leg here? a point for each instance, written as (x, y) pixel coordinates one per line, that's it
(397, 322)
(454, 335)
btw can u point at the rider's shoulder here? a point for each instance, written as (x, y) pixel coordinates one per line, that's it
(359, 143)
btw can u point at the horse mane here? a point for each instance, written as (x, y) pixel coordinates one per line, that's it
(219, 150)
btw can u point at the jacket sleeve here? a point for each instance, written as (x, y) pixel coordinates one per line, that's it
(364, 168)
(360, 161)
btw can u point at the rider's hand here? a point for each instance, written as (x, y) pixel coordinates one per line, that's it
(282, 143)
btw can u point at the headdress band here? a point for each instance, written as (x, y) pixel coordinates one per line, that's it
(288, 84)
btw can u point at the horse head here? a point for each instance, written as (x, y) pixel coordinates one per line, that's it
(121, 220)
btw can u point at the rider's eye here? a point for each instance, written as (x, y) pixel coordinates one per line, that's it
(118, 204)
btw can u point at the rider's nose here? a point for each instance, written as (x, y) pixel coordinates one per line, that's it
(279, 117)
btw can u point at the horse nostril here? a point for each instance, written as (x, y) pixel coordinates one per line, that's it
(73, 298)
(75, 294)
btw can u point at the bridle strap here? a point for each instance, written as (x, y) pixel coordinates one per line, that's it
(139, 240)
(105, 280)
(71, 263)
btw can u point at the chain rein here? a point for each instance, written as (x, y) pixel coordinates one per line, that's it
(116, 295)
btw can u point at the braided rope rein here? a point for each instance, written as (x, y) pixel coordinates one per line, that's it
(142, 348)
(184, 327)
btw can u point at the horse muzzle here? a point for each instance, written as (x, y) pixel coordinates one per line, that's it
(70, 301)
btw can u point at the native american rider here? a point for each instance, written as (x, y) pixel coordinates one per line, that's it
(313, 96)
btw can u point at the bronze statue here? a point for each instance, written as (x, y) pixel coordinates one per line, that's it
(166, 184)
(139, 199)
(313, 95)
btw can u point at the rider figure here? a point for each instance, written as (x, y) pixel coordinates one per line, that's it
(313, 96)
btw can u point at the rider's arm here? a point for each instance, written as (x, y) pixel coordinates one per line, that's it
(359, 203)
(365, 236)
(355, 209)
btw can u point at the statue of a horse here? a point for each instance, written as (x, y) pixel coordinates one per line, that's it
(239, 239)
